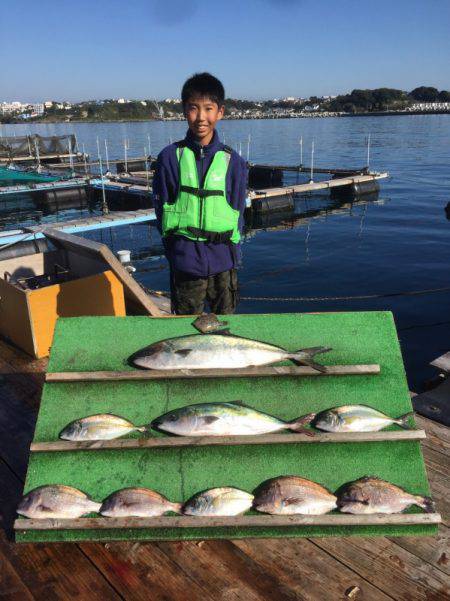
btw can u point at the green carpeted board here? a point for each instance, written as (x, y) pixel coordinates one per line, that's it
(104, 343)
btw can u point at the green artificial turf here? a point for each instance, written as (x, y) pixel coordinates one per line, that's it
(104, 343)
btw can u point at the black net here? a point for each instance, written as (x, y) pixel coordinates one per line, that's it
(23, 146)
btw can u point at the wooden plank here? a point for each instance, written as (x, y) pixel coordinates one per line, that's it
(11, 586)
(313, 574)
(247, 372)
(311, 187)
(101, 251)
(387, 566)
(142, 572)
(442, 362)
(201, 441)
(434, 550)
(438, 436)
(267, 521)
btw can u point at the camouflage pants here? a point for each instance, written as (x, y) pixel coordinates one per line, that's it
(189, 294)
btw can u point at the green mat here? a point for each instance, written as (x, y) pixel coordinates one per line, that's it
(103, 343)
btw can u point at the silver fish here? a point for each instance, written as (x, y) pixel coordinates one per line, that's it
(357, 418)
(219, 502)
(219, 350)
(373, 495)
(56, 501)
(103, 426)
(139, 502)
(208, 322)
(223, 419)
(288, 495)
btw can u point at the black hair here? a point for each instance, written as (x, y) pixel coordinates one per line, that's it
(204, 85)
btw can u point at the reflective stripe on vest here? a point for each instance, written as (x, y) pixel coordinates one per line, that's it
(201, 214)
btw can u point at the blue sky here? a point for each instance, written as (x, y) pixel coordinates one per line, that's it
(83, 49)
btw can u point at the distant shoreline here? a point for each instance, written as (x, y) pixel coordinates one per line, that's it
(260, 118)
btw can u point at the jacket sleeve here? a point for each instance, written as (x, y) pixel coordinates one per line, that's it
(160, 192)
(238, 195)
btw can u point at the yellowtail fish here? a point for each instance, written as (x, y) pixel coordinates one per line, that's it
(373, 495)
(56, 501)
(356, 418)
(222, 419)
(219, 502)
(288, 495)
(218, 350)
(103, 426)
(138, 502)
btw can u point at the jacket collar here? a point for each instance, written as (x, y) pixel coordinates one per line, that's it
(209, 149)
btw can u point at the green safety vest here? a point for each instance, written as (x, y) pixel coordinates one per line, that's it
(201, 214)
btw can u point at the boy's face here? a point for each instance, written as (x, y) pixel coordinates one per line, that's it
(202, 114)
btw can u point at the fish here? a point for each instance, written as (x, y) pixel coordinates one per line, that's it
(218, 502)
(223, 419)
(218, 350)
(56, 501)
(373, 495)
(138, 502)
(104, 426)
(356, 418)
(287, 495)
(208, 322)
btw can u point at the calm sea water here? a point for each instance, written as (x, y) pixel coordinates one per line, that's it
(397, 244)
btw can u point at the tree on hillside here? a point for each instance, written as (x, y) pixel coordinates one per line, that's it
(425, 94)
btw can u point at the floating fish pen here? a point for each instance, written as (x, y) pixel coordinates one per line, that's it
(344, 184)
(36, 149)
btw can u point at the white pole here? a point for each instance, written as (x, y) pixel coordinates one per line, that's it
(311, 180)
(104, 205)
(248, 148)
(106, 155)
(149, 145)
(240, 148)
(84, 159)
(146, 168)
(70, 156)
(368, 151)
(38, 158)
(301, 151)
(126, 156)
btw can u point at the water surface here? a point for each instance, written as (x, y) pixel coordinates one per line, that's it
(399, 244)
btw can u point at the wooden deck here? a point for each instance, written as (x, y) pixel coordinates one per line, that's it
(250, 570)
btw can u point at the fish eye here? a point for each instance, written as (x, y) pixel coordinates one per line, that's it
(173, 418)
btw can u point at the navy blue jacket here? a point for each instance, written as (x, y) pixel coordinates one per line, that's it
(199, 259)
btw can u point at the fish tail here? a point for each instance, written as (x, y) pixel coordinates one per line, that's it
(304, 357)
(426, 503)
(142, 428)
(403, 421)
(176, 507)
(298, 425)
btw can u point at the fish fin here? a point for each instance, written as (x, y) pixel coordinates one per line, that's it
(403, 421)
(210, 419)
(426, 503)
(184, 352)
(240, 403)
(292, 500)
(142, 428)
(298, 425)
(44, 509)
(304, 357)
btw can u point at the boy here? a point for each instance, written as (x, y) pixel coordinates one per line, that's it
(200, 188)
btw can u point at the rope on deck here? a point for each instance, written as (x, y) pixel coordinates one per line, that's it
(343, 298)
